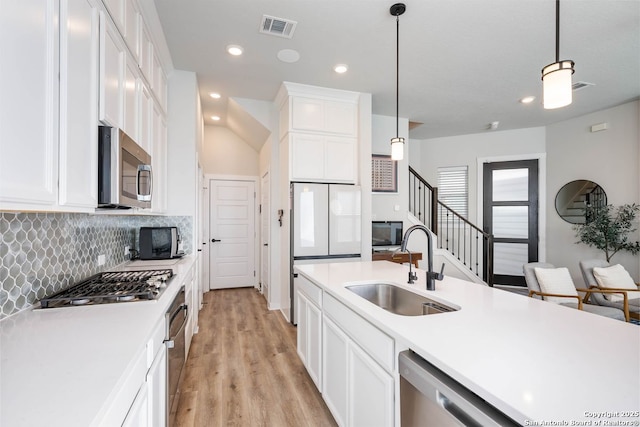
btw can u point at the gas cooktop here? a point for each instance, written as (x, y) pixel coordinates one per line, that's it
(112, 287)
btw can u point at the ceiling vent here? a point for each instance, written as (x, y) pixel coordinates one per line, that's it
(277, 26)
(581, 85)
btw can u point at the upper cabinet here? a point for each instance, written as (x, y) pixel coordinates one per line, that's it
(319, 130)
(69, 65)
(29, 107)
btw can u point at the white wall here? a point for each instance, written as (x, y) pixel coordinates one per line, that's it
(464, 150)
(390, 206)
(609, 158)
(224, 153)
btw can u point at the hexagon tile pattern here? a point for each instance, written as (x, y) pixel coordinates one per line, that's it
(43, 253)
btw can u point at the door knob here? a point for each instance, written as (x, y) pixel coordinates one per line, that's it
(215, 240)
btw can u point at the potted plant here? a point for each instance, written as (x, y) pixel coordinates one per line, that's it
(608, 229)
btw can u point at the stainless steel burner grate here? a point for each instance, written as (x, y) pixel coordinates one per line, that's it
(112, 287)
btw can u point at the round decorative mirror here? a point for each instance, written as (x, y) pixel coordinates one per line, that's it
(575, 197)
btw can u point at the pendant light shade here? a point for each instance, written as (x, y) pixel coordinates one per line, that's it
(556, 77)
(397, 143)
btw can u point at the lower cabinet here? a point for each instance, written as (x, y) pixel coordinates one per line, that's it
(356, 389)
(157, 385)
(138, 415)
(310, 337)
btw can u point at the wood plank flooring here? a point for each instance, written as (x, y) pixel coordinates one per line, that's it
(243, 369)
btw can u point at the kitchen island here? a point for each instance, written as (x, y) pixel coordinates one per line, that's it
(535, 361)
(80, 366)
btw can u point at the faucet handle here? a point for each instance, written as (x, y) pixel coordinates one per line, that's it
(440, 276)
(413, 276)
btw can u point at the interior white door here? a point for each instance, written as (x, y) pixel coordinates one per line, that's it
(231, 233)
(265, 223)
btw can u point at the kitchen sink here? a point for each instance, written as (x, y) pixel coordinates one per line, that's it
(398, 300)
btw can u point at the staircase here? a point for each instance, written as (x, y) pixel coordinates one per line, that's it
(469, 244)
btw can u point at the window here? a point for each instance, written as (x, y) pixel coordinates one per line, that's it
(453, 188)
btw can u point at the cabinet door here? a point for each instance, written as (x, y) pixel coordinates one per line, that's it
(131, 26)
(307, 114)
(159, 161)
(307, 157)
(314, 344)
(371, 391)
(302, 336)
(29, 107)
(112, 83)
(340, 159)
(131, 82)
(334, 369)
(78, 103)
(138, 415)
(145, 58)
(157, 385)
(341, 117)
(116, 10)
(146, 111)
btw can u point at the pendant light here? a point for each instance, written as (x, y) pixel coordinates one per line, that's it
(397, 143)
(556, 77)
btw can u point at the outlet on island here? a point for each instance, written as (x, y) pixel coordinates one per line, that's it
(126, 250)
(102, 259)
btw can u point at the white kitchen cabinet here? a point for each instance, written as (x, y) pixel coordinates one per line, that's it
(112, 79)
(145, 118)
(78, 143)
(138, 415)
(145, 53)
(116, 9)
(370, 391)
(358, 390)
(159, 83)
(157, 388)
(131, 105)
(334, 369)
(159, 161)
(322, 158)
(309, 340)
(190, 299)
(322, 115)
(131, 28)
(29, 107)
(309, 319)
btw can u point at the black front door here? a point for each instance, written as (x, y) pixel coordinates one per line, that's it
(511, 214)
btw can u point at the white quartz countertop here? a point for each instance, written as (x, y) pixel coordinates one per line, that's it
(535, 361)
(63, 366)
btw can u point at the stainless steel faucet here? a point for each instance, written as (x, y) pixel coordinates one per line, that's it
(432, 276)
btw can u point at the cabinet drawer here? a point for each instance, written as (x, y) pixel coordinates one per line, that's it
(376, 343)
(311, 291)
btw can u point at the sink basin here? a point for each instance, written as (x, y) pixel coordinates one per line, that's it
(399, 300)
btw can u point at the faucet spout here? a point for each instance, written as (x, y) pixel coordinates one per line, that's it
(431, 275)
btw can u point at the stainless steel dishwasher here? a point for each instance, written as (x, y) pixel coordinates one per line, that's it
(429, 397)
(176, 319)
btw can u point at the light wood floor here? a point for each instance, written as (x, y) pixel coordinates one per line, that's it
(243, 369)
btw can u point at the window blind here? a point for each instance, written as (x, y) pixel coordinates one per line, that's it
(453, 188)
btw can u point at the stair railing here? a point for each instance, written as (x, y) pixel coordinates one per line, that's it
(472, 246)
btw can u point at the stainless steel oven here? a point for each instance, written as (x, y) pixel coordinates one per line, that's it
(176, 319)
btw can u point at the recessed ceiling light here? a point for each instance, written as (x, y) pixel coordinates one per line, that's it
(234, 49)
(214, 95)
(215, 118)
(288, 55)
(527, 99)
(340, 68)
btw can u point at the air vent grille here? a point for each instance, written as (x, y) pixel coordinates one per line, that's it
(277, 26)
(581, 85)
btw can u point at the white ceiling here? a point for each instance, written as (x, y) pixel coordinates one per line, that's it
(463, 64)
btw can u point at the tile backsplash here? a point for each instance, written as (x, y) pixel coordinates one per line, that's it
(43, 253)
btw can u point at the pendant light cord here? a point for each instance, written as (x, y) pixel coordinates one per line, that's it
(557, 30)
(397, 73)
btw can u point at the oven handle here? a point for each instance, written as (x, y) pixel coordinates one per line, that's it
(170, 342)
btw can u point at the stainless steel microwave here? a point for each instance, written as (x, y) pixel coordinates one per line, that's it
(124, 171)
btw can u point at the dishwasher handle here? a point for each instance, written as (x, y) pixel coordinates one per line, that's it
(170, 342)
